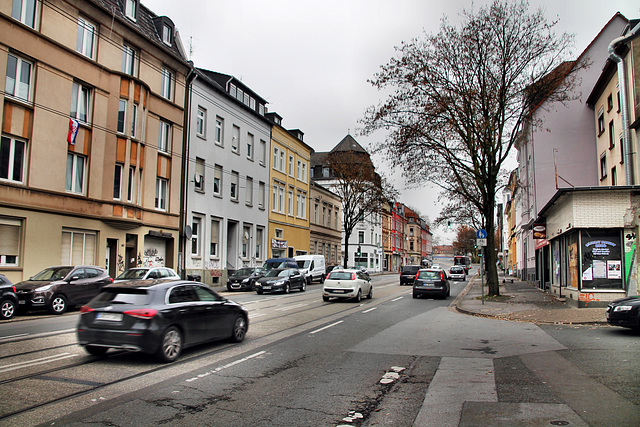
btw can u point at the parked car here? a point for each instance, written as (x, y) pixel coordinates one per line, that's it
(281, 280)
(59, 287)
(312, 267)
(8, 298)
(143, 273)
(244, 278)
(408, 274)
(430, 281)
(625, 312)
(330, 268)
(362, 270)
(158, 317)
(349, 283)
(272, 263)
(457, 272)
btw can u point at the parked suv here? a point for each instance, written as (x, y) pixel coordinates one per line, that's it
(8, 298)
(57, 288)
(408, 274)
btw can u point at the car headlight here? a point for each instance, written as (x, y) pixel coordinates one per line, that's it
(44, 288)
(280, 282)
(245, 281)
(623, 308)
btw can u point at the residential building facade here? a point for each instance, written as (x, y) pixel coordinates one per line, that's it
(227, 177)
(92, 121)
(325, 224)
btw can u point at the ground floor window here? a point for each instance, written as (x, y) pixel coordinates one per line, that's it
(601, 259)
(78, 247)
(10, 232)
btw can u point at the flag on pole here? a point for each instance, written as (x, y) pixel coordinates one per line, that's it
(73, 131)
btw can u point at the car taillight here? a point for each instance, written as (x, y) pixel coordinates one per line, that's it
(442, 275)
(353, 276)
(417, 274)
(142, 313)
(14, 289)
(85, 309)
(110, 280)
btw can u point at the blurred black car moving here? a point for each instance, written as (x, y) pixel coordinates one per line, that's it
(244, 278)
(159, 317)
(8, 298)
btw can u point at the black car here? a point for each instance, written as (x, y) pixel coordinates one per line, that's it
(160, 317)
(431, 281)
(57, 288)
(244, 278)
(408, 274)
(8, 298)
(625, 312)
(281, 280)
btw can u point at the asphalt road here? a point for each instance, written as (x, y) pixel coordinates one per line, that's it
(392, 360)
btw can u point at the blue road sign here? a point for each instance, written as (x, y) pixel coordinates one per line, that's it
(481, 234)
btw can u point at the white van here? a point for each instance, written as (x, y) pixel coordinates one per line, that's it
(312, 267)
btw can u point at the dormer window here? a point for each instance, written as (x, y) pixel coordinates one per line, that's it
(166, 34)
(131, 9)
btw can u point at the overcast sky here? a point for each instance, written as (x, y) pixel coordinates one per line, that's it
(311, 60)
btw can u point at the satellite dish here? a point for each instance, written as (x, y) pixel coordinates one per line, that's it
(188, 232)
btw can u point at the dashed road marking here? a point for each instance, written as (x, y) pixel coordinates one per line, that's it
(326, 327)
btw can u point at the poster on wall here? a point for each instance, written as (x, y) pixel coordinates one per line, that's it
(599, 269)
(573, 263)
(614, 269)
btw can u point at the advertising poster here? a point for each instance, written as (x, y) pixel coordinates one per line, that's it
(614, 269)
(602, 254)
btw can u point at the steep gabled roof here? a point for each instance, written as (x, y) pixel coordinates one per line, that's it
(348, 143)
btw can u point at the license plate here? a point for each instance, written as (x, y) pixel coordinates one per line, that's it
(266, 287)
(111, 317)
(22, 301)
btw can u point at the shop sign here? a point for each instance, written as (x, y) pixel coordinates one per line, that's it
(278, 244)
(539, 231)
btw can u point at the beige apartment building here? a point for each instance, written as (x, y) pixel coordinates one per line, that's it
(325, 224)
(109, 193)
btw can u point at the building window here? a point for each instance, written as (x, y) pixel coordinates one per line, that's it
(360, 236)
(249, 146)
(131, 9)
(281, 161)
(259, 238)
(275, 157)
(290, 209)
(18, 81)
(263, 152)
(232, 90)
(219, 128)
(162, 189)
(217, 180)
(614, 178)
(129, 60)
(76, 165)
(279, 233)
(600, 122)
(246, 241)
(85, 42)
(164, 137)
(167, 84)
(235, 139)
(215, 237)
(117, 182)
(25, 12)
(234, 186)
(201, 121)
(122, 113)
(249, 192)
(609, 102)
(195, 236)
(277, 204)
(10, 242)
(132, 175)
(261, 194)
(611, 136)
(603, 166)
(12, 159)
(621, 150)
(325, 172)
(199, 175)
(324, 215)
(315, 213)
(291, 160)
(301, 204)
(166, 34)
(78, 247)
(80, 102)
(134, 120)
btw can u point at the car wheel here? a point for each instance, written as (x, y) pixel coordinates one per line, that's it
(95, 351)
(322, 279)
(239, 329)
(303, 287)
(7, 309)
(358, 297)
(229, 288)
(58, 304)
(287, 289)
(170, 346)
(325, 299)
(370, 294)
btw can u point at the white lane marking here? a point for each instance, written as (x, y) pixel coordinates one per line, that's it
(290, 307)
(228, 365)
(399, 298)
(253, 316)
(35, 362)
(8, 337)
(326, 327)
(371, 309)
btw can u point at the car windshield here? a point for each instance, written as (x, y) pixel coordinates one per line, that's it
(274, 273)
(456, 270)
(341, 275)
(134, 273)
(410, 270)
(52, 273)
(303, 264)
(123, 296)
(243, 272)
(429, 274)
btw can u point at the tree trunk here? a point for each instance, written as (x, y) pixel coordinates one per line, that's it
(491, 269)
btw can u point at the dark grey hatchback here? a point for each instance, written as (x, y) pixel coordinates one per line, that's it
(159, 317)
(431, 282)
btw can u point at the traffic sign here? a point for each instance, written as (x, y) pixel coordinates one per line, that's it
(481, 234)
(482, 242)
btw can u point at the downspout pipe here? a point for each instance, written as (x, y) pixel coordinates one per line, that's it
(622, 84)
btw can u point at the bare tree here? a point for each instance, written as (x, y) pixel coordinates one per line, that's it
(459, 98)
(361, 188)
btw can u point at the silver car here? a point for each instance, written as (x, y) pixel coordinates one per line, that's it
(457, 273)
(348, 283)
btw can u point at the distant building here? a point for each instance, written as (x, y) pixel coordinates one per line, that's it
(325, 222)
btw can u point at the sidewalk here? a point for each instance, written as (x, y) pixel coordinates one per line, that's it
(524, 302)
